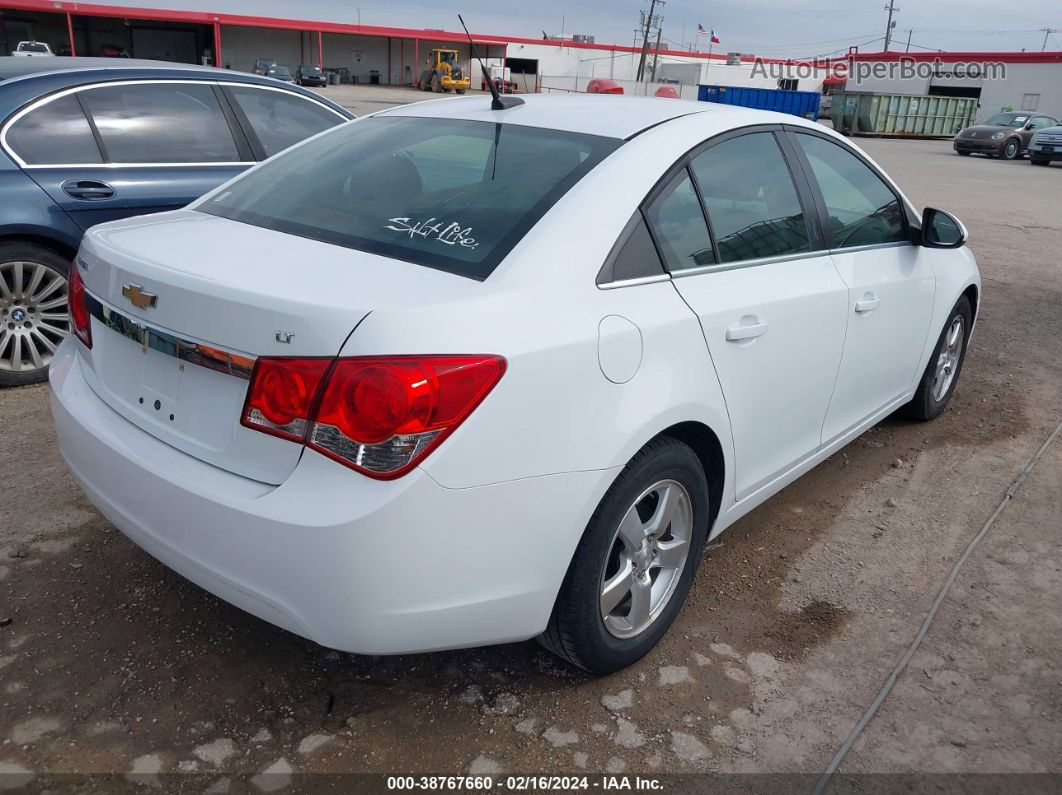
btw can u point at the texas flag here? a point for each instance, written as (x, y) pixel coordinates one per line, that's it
(702, 32)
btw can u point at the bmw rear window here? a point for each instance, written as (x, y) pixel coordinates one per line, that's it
(455, 195)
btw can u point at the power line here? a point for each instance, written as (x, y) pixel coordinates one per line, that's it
(807, 43)
(842, 50)
(980, 32)
(924, 47)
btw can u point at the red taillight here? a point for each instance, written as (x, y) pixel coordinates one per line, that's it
(79, 314)
(281, 397)
(378, 415)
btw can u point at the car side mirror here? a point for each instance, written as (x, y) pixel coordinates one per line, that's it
(941, 230)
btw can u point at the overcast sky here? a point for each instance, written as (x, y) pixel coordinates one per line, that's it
(800, 28)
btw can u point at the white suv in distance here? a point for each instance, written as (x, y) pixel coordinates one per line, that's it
(450, 376)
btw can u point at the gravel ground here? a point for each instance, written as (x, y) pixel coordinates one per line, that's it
(361, 100)
(113, 664)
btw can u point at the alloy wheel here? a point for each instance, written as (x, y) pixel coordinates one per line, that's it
(646, 559)
(948, 359)
(34, 316)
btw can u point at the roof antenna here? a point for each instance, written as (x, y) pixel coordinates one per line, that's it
(498, 102)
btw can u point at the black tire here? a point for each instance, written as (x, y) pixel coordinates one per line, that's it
(459, 90)
(963, 154)
(1036, 161)
(1011, 150)
(576, 631)
(923, 405)
(57, 266)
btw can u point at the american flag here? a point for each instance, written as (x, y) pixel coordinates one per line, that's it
(702, 32)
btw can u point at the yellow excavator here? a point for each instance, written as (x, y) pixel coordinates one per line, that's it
(442, 73)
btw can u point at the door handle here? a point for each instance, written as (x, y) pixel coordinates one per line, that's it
(88, 189)
(745, 332)
(869, 303)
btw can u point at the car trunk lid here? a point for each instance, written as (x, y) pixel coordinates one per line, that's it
(183, 304)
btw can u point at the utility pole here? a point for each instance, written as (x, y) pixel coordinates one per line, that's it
(1047, 32)
(650, 20)
(909, 32)
(656, 52)
(892, 9)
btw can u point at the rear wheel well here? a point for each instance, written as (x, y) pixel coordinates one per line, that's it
(703, 441)
(39, 240)
(971, 295)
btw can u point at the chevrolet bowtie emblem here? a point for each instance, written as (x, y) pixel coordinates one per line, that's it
(138, 298)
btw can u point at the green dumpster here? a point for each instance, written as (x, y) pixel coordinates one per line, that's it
(911, 115)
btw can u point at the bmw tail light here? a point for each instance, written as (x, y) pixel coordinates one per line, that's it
(79, 314)
(378, 415)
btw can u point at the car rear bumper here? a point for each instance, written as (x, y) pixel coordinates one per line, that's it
(366, 566)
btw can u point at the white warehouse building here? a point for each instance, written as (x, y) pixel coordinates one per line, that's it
(998, 80)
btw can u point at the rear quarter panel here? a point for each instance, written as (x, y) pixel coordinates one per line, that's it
(554, 411)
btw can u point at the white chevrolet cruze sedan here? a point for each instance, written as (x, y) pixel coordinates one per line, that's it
(450, 376)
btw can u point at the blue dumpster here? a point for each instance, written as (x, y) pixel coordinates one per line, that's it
(796, 103)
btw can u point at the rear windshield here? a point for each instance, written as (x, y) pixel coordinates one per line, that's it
(27, 46)
(454, 195)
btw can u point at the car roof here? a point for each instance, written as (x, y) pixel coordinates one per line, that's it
(24, 80)
(11, 67)
(592, 114)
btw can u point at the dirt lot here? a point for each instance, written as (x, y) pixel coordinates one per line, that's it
(113, 664)
(361, 100)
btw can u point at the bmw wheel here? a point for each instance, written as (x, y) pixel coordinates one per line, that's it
(635, 562)
(34, 316)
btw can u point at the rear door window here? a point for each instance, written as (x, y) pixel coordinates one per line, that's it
(456, 195)
(161, 123)
(280, 118)
(56, 133)
(752, 202)
(677, 221)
